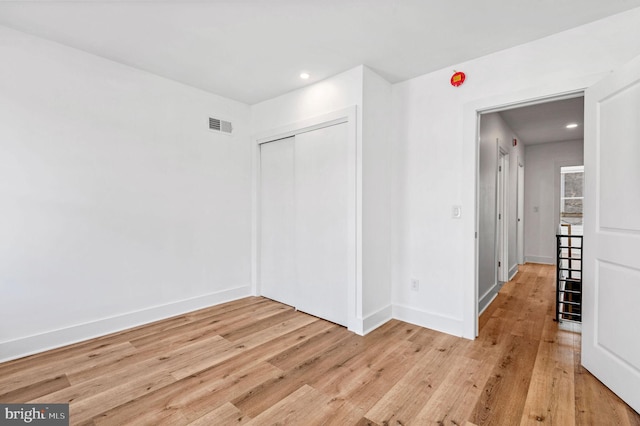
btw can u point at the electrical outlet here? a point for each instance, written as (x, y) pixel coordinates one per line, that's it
(415, 284)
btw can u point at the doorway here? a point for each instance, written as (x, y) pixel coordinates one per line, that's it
(533, 138)
(611, 273)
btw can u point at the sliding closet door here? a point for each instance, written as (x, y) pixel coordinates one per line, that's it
(277, 212)
(321, 222)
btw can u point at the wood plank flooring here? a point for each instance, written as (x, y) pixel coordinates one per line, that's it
(257, 362)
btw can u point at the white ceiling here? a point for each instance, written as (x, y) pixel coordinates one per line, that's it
(546, 122)
(253, 50)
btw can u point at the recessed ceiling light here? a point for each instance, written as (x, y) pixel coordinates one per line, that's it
(572, 126)
(304, 75)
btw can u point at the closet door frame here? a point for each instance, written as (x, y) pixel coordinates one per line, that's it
(354, 283)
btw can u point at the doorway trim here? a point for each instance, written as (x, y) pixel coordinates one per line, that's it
(520, 211)
(565, 89)
(502, 219)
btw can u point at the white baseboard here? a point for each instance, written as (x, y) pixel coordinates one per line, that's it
(362, 326)
(488, 302)
(486, 299)
(546, 260)
(513, 271)
(29, 345)
(430, 320)
(375, 320)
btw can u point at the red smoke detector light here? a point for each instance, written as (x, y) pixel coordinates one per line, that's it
(457, 78)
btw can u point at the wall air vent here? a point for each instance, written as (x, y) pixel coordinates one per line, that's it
(220, 126)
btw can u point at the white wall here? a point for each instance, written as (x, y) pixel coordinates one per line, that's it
(541, 203)
(376, 204)
(118, 205)
(492, 128)
(435, 158)
(335, 93)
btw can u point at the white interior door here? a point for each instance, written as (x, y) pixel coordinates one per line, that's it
(304, 222)
(610, 343)
(277, 215)
(322, 236)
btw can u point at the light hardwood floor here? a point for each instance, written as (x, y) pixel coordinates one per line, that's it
(257, 362)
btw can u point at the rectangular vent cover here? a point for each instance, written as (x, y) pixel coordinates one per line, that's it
(222, 126)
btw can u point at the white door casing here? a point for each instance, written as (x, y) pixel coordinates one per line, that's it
(520, 213)
(611, 292)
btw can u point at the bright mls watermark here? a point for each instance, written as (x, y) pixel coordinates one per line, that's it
(34, 414)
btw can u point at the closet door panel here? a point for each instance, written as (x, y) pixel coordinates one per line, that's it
(277, 212)
(321, 222)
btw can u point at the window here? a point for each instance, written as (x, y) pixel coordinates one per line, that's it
(571, 197)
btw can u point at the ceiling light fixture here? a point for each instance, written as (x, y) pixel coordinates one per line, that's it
(304, 76)
(572, 126)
